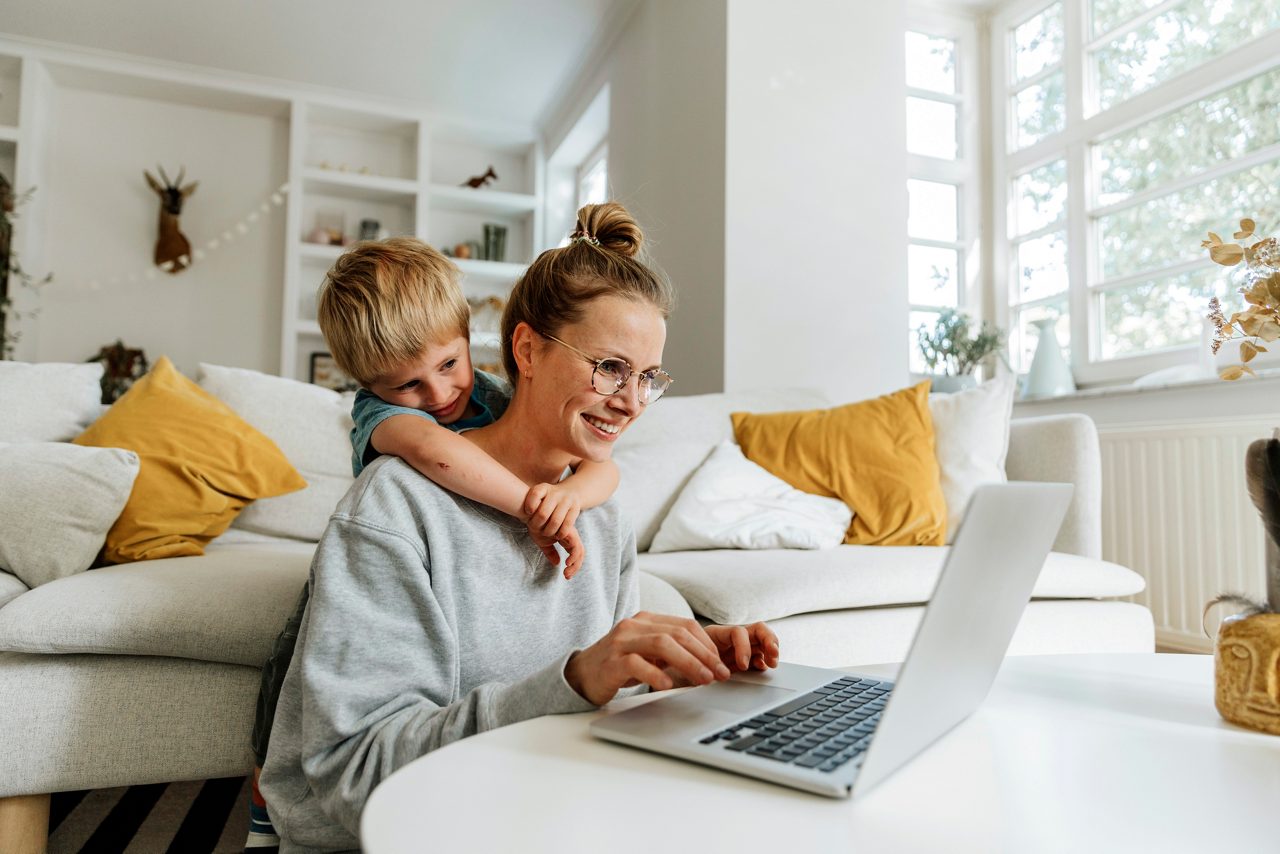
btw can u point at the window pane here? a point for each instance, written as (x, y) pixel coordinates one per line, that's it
(1042, 196)
(1042, 266)
(1037, 44)
(927, 319)
(1168, 229)
(1161, 313)
(1215, 130)
(931, 128)
(1178, 40)
(933, 276)
(931, 63)
(593, 188)
(1109, 14)
(932, 210)
(1024, 337)
(1040, 110)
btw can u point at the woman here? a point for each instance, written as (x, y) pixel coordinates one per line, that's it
(433, 618)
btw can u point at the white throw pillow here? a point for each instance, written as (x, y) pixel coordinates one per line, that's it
(49, 401)
(58, 502)
(971, 430)
(311, 425)
(733, 503)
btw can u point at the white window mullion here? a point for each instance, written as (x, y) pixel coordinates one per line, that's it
(1080, 260)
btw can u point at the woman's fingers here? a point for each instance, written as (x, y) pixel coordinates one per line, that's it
(667, 649)
(636, 669)
(691, 626)
(739, 649)
(765, 642)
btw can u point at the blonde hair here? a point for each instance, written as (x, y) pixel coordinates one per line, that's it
(385, 301)
(603, 258)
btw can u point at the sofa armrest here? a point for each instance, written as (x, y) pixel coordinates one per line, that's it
(1063, 449)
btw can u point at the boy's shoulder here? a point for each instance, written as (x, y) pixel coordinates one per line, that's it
(493, 391)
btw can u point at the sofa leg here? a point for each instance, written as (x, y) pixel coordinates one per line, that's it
(24, 824)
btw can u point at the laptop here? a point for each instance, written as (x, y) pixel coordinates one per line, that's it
(838, 733)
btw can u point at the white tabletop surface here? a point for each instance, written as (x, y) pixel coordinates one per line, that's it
(1090, 753)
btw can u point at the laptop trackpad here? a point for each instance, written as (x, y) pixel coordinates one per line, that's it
(741, 697)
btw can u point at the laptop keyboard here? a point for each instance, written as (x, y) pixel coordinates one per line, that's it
(824, 729)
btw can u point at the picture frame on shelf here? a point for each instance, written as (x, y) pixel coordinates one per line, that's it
(325, 373)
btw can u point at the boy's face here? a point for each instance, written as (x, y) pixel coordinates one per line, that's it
(438, 381)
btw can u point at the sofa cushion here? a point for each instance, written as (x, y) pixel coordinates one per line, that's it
(876, 455)
(311, 425)
(733, 503)
(59, 487)
(227, 605)
(659, 452)
(201, 464)
(745, 586)
(11, 587)
(971, 435)
(47, 402)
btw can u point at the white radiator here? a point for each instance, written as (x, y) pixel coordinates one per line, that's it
(1175, 510)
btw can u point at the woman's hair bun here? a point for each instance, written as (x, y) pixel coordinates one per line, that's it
(613, 226)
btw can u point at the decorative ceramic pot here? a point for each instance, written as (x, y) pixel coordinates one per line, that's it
(1246, 665)
(1050, 375)
(947, 384)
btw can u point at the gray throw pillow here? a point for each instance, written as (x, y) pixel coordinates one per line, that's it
(57, 504)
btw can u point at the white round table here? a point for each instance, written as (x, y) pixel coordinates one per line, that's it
(1091, 753)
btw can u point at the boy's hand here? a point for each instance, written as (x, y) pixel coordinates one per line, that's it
(553, 510)
(572, 543)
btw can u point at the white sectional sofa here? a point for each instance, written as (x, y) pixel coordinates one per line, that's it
(148, 672)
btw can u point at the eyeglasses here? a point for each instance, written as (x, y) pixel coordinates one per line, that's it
(612, 375)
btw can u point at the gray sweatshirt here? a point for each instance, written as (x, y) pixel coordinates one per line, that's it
(431, 618)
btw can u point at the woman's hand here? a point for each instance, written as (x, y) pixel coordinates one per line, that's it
(639, 649)
(552, 510)
(753, 647)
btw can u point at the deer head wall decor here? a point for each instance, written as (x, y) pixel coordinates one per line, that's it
(173, 250)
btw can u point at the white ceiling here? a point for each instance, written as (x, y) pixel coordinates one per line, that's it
(500, 60)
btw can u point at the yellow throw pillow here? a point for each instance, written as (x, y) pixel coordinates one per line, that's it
(200, 464)
(877, 456)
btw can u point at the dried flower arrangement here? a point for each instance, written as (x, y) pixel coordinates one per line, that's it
(1260, 322)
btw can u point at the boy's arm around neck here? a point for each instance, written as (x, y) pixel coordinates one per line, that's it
(452, 462)
(594, 482)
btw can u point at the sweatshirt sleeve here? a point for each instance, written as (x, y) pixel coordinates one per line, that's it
(378, 670)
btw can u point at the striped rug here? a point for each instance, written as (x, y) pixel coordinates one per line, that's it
(197, 817)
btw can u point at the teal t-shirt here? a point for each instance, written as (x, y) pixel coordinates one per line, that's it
(490, 394)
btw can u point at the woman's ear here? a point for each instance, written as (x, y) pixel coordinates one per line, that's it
(522, 347)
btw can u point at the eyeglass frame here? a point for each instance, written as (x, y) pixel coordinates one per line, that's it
(645, 399)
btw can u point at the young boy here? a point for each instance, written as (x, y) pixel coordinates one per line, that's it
(396, 321)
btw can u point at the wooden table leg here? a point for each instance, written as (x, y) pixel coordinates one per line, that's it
(24, 824)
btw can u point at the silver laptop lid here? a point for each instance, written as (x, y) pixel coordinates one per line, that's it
(1007, 533)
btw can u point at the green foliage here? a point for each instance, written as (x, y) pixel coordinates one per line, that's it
(954, 346)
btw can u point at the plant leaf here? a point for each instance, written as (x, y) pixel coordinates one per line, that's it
(1248, 225)
(1227, 254)
(1234, 372)
(1269, 331)
(1247, 351)
(1214, 240)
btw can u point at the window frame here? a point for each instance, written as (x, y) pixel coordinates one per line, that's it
(1086, 127)
(966, 171)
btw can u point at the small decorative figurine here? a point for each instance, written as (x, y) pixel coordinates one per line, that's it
(475, 182)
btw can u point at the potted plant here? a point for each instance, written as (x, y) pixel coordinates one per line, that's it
(953, 349)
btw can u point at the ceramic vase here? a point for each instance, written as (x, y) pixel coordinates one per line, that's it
(1050, 375)
(1245, 658)
(948, 384)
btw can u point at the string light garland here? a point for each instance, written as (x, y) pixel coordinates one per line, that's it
(242, 227)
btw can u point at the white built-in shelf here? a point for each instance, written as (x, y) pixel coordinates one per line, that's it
(503, 270)
(374, 188)
(495, 202)
(8, 133)
(320, 251)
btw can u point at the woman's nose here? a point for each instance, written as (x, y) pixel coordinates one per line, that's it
(628, 398)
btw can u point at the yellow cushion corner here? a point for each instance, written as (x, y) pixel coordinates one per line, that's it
(200, 465)
(876, 455)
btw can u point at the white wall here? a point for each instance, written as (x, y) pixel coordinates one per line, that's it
(101, 222)
(816, 204)
(763, 150)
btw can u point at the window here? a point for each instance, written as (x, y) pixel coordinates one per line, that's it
(943, 190)
(1130, 128)
(593, 178)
